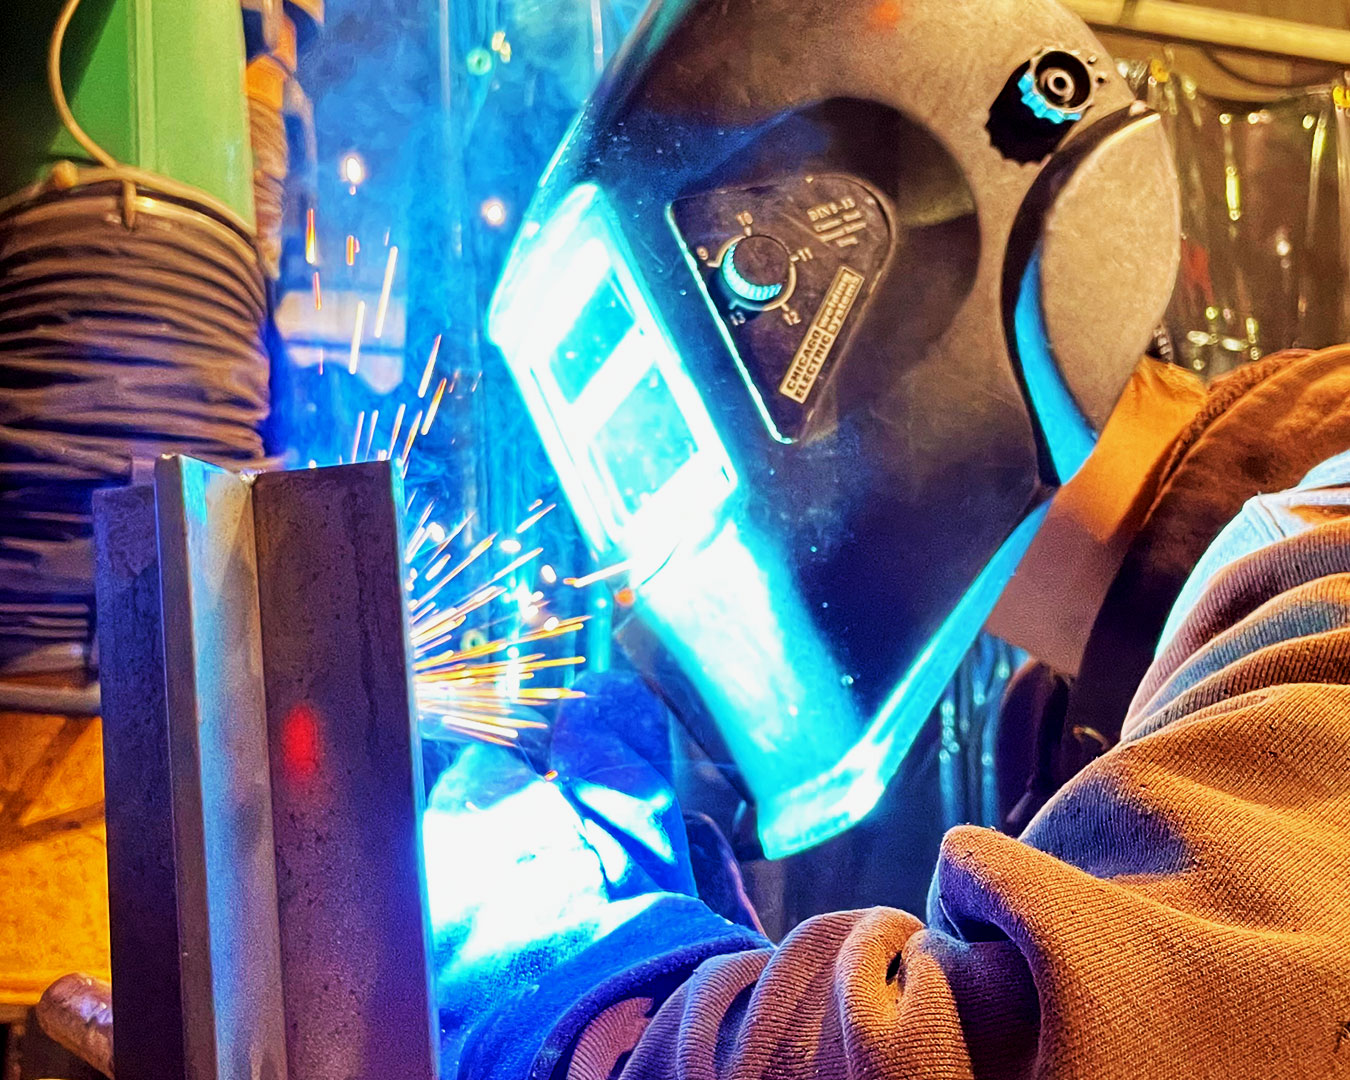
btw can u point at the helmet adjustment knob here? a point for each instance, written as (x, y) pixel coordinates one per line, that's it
(756, 271)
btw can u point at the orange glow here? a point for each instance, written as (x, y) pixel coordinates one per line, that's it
(886, 14)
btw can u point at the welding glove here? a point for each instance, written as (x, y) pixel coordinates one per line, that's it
(530, 869)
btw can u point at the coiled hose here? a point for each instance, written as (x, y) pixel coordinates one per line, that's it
(131, 325)
(117, 344)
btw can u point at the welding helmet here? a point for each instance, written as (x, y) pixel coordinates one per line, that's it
(816, 307)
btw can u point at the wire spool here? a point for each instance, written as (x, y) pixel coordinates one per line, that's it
(266, 81)
(271, 154)
(130, 326)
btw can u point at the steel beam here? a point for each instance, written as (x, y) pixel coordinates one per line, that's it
(230, 960)
(142, 874)
(264, 778)
(346, 775)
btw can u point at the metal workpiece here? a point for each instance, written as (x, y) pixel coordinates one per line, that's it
(347, 788)
(142, 872)
(264, 779)
(230, 962)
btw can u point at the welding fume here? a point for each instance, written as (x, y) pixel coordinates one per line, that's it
(851, 623)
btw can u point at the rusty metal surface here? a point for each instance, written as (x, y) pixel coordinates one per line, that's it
(347, 778)
(142, 894)
(230, 962)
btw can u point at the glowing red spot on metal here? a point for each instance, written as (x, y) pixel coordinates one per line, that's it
(300, 742)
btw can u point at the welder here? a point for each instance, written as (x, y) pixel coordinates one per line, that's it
(824, 312)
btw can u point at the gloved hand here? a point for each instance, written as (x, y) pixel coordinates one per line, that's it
(528, 867)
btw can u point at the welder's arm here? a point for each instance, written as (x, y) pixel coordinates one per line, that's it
(1179, 909)
(545, 880)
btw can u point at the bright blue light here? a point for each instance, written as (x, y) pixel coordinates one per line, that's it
(1070, 437)
(733, 617)
(623, 423)
(638, 818)
(506, 872)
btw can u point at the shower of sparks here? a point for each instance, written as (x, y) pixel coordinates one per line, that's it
(480, 691)
(478, 674)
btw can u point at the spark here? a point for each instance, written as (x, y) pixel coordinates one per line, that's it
(353, 169)
(431, 364)
(356, 442)
(529, 556)
(533, 520)
(407, 446)
(435, 404)
(311, 241)
(355, 358)
(383, 310)
(398, 424)
(353, 246)
(419, 534)
(318, 293)
(370, 436)
(599, 575)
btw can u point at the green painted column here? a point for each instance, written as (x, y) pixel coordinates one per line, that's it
(159, 84)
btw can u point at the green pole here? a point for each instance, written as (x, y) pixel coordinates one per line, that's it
(158, 84)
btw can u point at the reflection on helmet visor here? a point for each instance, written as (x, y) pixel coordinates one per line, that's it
(621, 419)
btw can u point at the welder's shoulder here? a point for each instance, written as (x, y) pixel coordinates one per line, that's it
(1183, 897)
(1322, 498)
